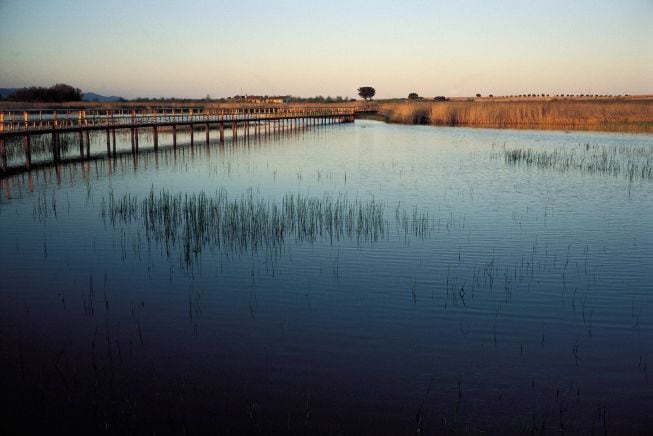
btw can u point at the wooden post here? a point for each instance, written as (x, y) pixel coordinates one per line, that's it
(246, 126)
(55, 135)
(174, 129)
(136, 130)
(113, 132)
(28, 151)
(132, 116)
(55, 147)
(192, 131)
(3, 148)
(3, 153)
(155, 130)
(207, 132)
(108, 134)
(222, 130)
(88, 136)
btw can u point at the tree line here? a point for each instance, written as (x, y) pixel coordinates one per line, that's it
(56, 93)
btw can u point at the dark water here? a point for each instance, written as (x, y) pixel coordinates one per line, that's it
(361, 279)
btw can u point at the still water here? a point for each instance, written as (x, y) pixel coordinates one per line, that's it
(360, 278)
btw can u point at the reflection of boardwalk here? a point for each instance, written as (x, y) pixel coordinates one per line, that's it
(254, 121)
(69, 170)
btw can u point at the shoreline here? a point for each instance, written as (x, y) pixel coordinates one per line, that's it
(636, 128)
(620, 114)
(628, 116)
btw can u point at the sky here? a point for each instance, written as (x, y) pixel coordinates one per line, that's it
(144, 48)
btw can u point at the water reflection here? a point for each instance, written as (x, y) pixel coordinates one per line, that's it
(357, 280)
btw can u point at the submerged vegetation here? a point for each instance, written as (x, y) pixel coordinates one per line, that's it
(628, 115)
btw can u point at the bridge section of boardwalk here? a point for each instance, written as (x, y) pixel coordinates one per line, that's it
(248, 120)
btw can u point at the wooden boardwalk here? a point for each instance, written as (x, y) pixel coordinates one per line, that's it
(246, 120)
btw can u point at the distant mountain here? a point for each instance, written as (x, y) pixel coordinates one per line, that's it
(4, 92)
(92, 96)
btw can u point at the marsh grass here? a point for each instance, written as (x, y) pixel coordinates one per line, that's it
(634, 163)
(40, 146)
(245, 223)
(636, 116)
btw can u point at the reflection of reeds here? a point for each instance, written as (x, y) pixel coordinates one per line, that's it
(635, 163)
(41, 146)
(248, 222)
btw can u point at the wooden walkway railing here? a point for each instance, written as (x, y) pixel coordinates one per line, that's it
(260, 120)
(18, 123)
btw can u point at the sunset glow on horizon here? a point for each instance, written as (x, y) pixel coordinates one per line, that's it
(172, 49)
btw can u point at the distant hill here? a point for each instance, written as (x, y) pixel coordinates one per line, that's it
(92, 96)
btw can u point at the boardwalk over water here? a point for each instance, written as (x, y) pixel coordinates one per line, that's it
(51, 125)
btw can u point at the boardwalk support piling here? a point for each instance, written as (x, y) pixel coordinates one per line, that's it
(257, 121)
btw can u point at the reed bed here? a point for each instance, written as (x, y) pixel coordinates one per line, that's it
(626, 115)
(635, 163)
(245, 223)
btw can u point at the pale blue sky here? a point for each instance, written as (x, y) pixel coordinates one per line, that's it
(454, 48)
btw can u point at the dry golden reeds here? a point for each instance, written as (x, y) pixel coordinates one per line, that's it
(601, 115)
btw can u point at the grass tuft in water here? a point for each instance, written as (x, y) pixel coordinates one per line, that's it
(247, 222)
(634, 163)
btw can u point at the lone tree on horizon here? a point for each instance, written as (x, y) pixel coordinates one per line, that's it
(367, 92)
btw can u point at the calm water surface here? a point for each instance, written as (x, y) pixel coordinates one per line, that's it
(361, 278)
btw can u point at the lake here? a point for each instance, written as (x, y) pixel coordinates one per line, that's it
(360, 278)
